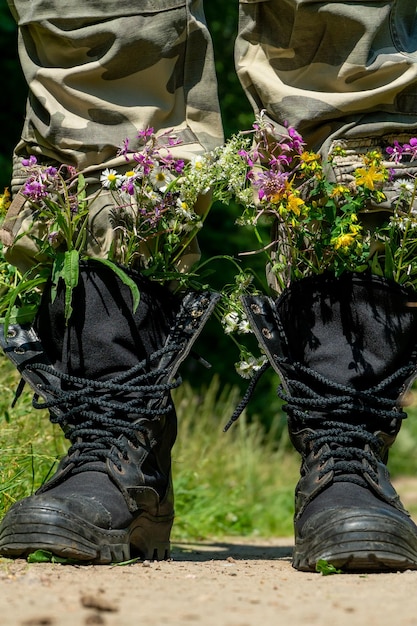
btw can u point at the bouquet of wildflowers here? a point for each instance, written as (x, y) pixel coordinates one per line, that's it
(315, 224)
(319, 225)
(154, 218)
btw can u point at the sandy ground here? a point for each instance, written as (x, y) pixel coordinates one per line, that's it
(241, 582)
(221, 584)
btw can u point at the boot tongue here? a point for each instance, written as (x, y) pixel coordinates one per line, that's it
(104, 336)
(354, 330)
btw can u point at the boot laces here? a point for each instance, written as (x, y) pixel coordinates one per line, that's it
(346, 434)
(96, 415)
(247, 396)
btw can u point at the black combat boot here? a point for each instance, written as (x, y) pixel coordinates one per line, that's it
(106, 378)
(346, 352)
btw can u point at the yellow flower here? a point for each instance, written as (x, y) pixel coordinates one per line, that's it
(295, 204)
(5, 201)
(369, 176)
(355, 228)
(373, 157)
(339, 190)
(310, 161)
(277, 196)
(343, 241)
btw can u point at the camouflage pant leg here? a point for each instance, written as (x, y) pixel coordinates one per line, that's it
(331, 68)
(343, 73)
(100, 71)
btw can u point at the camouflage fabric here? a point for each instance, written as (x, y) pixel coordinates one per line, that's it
(344, 74)
(98, 72)
(331, 69)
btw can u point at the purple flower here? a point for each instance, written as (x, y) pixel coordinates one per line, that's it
(179, 165)
(53, 236)
(411, 148)
(144, 134)
(297, 143)
(395, 152)
(174, 141)
(172, 164)
(277, 162)
(124, 149)
(145, 161)
(246, 156)
(34, 189)
(30, 162)
(270, 183)
(71, 170)
(129, 186)
(51, 171)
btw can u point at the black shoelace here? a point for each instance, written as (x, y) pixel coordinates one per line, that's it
(94, 414)
(349, 441)
(246, 398)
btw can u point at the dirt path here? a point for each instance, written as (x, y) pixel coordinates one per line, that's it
(236, 583)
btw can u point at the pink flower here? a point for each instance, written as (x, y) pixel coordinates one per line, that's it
(395, 152)
(124, 149)
(411, 148)
(144, 134)
(297, 143)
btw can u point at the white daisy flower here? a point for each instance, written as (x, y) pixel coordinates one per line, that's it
(160, 178)
(110, 179)
(198, 162)
(183, 210)
(405, 185)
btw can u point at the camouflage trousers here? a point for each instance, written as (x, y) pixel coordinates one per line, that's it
(331, 69)
(98, 72)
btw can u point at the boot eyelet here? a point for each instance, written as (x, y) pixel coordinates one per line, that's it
(19, 350)
(255, 308)
(197, 313)
(266, 333)
(11, 333)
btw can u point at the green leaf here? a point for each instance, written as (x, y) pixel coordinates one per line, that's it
(44, 556)
(81, 192)
(24, 286)
(126, 280)
(389, 261)
(326, 569)
(376, 266)
(57, 273)
(71, 271)
(40, 556)
(24, 314)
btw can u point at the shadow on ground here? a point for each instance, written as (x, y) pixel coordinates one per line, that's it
(219, 551)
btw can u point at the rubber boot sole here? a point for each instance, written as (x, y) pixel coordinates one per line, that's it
(357, 542)
(28, 528)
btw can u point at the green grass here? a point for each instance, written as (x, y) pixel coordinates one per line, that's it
(240, 482)
(235, 483)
